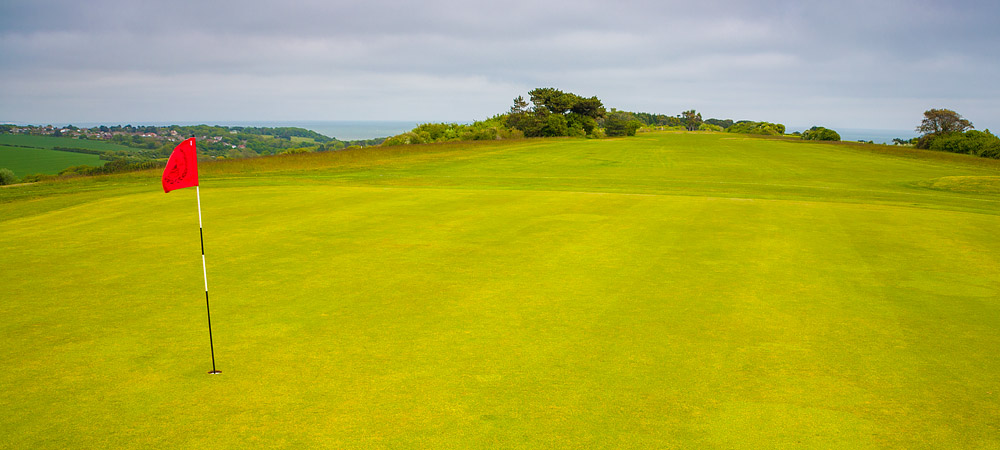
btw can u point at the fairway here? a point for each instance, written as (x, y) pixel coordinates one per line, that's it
(672, 290)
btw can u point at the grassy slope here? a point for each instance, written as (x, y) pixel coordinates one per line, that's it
(669, 291)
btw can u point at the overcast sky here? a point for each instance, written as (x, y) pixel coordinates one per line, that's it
(851, 63)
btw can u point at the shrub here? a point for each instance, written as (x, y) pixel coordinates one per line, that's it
(7, 177)
(978, 143)
(763, 128)
(820, 134)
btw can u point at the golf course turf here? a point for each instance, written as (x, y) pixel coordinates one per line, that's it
(671, 290)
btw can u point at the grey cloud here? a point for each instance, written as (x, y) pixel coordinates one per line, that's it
(391, 60)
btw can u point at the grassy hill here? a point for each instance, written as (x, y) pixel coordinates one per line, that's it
(666, 291)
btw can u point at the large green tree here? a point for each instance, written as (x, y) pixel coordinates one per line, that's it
(938, 123)
(942, 121)
(553, 112)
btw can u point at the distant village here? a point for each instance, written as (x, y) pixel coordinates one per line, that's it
(106, 133)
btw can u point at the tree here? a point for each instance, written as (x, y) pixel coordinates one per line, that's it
(590, 107)
(692, 119)
(820, 134)
(621, 123)
(520, 106)
(943, 121)
(552, 99)
(724, 123)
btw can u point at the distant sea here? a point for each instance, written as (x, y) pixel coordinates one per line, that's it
(864, 134)
(344, 130)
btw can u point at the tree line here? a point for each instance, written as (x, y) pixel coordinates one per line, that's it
(550, 112)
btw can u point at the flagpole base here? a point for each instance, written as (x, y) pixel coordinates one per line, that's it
(214, 372)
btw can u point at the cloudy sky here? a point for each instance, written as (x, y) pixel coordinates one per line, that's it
(843, 63)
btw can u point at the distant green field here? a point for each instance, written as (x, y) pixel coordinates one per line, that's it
(27, 161)
(50, 142)
(671, 290)
(303, 140)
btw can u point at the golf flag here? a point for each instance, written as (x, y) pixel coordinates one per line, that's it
(182, 172)
(182, 167)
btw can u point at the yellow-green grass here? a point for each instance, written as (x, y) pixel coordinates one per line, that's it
(666, 291)
(27, 161)
(302, 140)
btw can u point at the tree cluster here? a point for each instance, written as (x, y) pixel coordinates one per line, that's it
(820, 134)
(946, 130)
(555, 113)
(490, 129)
(762, 128)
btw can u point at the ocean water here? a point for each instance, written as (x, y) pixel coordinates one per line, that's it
(864, 134)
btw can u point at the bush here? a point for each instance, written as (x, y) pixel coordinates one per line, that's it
(555, 125)
(820, 134)
(978, 143)
(709, 127)
(7, 177)
(763, 128)
(620, 123)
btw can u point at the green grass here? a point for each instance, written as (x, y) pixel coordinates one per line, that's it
(26, 161)
(49, 142)
(303, 140)
(666, 291)
(26, 154)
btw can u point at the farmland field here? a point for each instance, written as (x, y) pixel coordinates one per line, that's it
(672, 290)
(27, 154)
(26, 161)
(50, 142)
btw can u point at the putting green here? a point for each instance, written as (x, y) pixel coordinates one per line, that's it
(667, 291)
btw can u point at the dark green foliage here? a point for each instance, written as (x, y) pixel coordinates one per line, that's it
(87, 151)
(552, 99)
(621, 123)
(117, 166)
(763, 128)
(650, 119)
(580, 122)
(490, 129)
(724, 123)
(7, 177)
(555, 113)
(555, 125)
(820, 134)
(972, 142)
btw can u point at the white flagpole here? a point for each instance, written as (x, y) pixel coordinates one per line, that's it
(204, 271)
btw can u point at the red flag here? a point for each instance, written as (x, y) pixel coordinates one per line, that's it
(182, 167)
